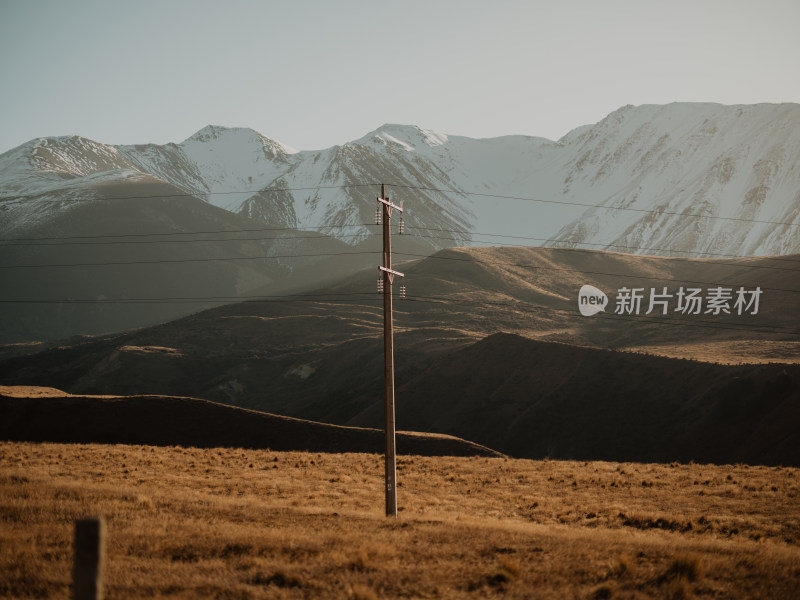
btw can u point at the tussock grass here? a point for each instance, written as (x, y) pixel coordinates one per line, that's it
(228, 523)
(685, 566)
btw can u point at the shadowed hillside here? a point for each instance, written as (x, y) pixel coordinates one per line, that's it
(112, 256)
(542, 399)
(168, 421)
(320, 357)
(127, 246)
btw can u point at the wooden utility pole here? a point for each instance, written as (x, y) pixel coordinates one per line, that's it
(387, 274)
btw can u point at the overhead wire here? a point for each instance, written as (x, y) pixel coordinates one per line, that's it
(658, 319)
(351, 297)
(42, 242)
(197, 299)
(428, 189)
(199, 193)
(180, 260)
(192, 241)
(400, 253)
(13, 241)
(602, 245)
(581, 271)
(587, 205)
(673, 258)
(174, 233)
(70, 240)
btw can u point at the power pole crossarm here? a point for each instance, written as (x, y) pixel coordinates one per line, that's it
(385, 201)
(391, 272)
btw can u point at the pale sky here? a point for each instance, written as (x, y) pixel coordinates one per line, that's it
(312, 74)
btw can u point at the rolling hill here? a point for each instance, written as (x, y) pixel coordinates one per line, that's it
(563, 385)
(49, 415)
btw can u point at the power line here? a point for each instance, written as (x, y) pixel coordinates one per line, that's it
(606, 316)
(199, 193)
(57, 241)
(421, 256)
(539, 267)
(370, 297)
(43, 242)
(192, 241)
(353, 297)
(567, 241)
(494, 244)
(430, 189)
(176, 233)
(672, 258)
(465, 233)
(199, 299)
(182, 260)
(586, 205)
(657, 318)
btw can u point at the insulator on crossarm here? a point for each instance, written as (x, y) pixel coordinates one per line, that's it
(380, 284)
(378, 215)
(402, 225)
(403, 290)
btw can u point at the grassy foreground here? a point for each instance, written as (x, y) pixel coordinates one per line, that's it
(229, 523)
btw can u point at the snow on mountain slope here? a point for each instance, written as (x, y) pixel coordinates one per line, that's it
(76, 156)
(334, 189)
(224, 166)
(738, 167)
(48, 163)
(730, 175)
(350, 176)
(683, 178)
(56, 196)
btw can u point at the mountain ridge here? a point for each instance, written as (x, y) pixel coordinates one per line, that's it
(684, 179)
(608, 185)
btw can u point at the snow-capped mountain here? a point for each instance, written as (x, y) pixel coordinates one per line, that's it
(720, 180)
(681, 179)
(244, 172)
(684, 178)
(219, 164)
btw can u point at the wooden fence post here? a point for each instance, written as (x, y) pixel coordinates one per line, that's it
(87, 575)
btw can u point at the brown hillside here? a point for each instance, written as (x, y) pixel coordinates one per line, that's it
(539, 399)
(320, 357)
(36, 416)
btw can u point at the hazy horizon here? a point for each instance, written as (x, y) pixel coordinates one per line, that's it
(320, 74)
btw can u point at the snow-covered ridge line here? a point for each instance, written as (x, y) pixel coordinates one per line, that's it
(740, 162)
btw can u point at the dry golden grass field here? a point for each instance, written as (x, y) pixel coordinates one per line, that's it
(231, 523)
